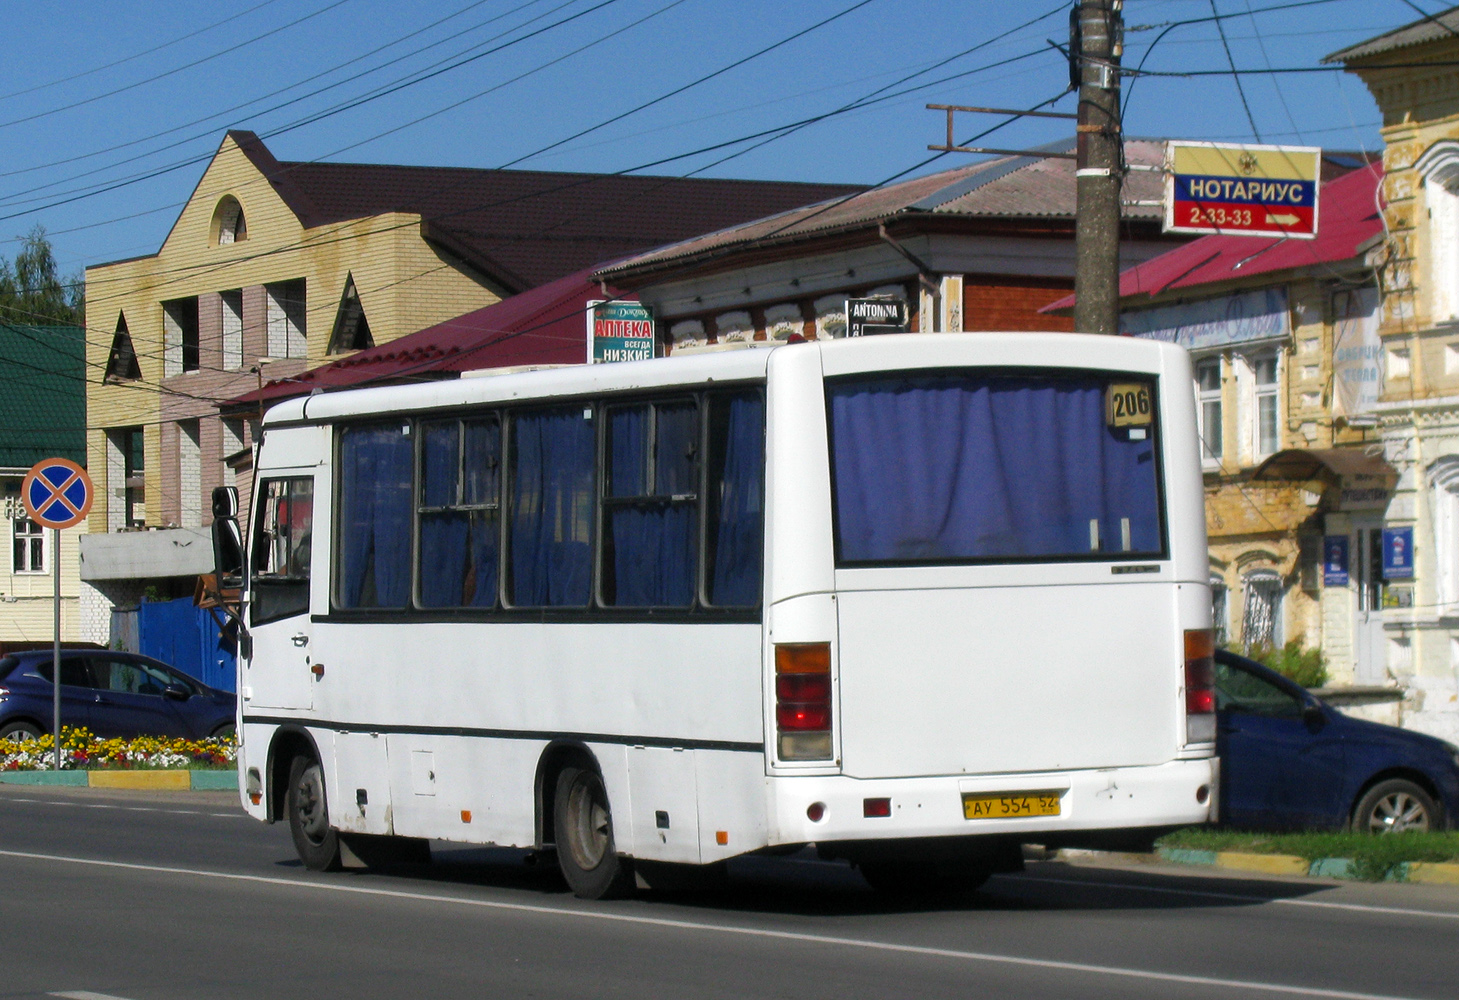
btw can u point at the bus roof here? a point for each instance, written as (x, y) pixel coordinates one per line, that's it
(1061, 350)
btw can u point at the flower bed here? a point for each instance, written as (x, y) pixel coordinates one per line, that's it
(81, 749)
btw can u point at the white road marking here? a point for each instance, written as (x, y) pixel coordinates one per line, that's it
(1208, 894)
(758, 932)
(103, 805)
(85, 995)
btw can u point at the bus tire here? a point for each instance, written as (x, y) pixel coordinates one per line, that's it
(314, 839)
(583, 827)
(920, 878)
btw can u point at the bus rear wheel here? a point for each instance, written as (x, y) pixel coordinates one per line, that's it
(583, 825)
(314, 839)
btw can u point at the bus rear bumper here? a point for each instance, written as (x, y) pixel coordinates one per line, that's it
(1174, 794)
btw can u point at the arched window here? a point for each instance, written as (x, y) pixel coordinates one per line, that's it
(1261, 618)
(1444, 484)
(229, 226)
(1439, 168)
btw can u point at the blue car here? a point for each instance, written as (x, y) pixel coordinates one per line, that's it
(1291, 762)
(111, 694)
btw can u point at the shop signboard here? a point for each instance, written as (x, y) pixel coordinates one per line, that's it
(1239, 318)
(1242, 190)
(865, 317)
(1357, 353)
(1398, 553)
(619, 331)
(1335, 561)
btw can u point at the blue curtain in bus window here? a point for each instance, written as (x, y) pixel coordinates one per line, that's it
(736, 530)
(552, 508)
(443, 530)
(375, 509)
(480, 489)
(986, 467)
(652, 536)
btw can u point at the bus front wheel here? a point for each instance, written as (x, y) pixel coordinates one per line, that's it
(583, 825)
(316, 842)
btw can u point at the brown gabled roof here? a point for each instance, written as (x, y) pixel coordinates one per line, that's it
(1030, 187)
(1430, 28)
(527, 227)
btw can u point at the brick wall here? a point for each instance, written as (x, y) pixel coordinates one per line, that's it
(1003, 303)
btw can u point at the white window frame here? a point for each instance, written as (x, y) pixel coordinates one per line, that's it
(1278, 605)
(1205, 397)
(1444, 483)
(1263, 392)
(26, 532)
(1220, 610)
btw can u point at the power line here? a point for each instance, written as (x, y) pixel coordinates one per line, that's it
(230, 50)
(135, 55)
(1231, 61)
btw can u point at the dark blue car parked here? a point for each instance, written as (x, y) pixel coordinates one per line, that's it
(111, 694)
(1291, 762)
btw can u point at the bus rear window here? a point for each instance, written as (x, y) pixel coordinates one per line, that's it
(982, 467)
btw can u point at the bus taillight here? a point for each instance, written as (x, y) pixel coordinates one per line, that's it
(1200, 686)
(803, 700)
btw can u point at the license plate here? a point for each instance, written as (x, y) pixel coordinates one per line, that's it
(1010, 805)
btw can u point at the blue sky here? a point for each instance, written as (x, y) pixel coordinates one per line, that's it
(108, 87)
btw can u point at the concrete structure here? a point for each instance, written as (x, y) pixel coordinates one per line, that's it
(980, 247)
(1413, 73)
(272, 268)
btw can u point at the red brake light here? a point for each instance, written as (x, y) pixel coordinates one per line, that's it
(1200, 672)
(803, 700)
(876, 808)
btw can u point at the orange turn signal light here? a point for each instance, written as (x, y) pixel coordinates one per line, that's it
(803, 658)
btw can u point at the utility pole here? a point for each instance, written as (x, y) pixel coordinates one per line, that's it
(1096, 43)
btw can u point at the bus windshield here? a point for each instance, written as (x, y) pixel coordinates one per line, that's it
(963, 467)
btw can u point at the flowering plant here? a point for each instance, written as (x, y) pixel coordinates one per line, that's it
(80, 748)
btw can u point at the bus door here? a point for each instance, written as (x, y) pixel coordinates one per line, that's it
(278, 671)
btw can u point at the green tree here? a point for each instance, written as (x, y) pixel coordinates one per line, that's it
(31, 289)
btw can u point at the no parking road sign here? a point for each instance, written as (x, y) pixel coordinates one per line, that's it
(57, 493)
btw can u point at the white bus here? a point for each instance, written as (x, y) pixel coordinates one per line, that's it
(914, 599)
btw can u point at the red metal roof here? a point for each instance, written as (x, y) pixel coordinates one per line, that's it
(543, 326)
(1347, 217)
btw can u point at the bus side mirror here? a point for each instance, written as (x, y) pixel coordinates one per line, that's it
(227, 543)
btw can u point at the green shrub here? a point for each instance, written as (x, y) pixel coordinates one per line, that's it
(1307, 667)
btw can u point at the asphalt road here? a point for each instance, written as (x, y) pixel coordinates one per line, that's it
(181, 897)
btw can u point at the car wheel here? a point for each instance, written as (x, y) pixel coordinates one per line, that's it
(226, 731)
(914, 878)
(316, 842)
(583, 826)
(19, 731)
(1395, 806)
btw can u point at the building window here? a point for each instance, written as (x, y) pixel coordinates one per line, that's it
(351, 328)
(229, 225)
(1268, 437)
(180, 336)
(190, 473)
(1220, 611)
(1261, 620)
(1208, 388)
(286, 326)
(232, 329)
(126, 478)
(29, 550)
(121, 363)
(1444, 481)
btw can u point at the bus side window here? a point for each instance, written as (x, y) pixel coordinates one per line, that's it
(651, 505)
(460, 482)
(375, 513)
(553, 496)
(734, 541)
(282, 546)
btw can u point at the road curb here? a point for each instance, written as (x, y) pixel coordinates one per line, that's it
(167, 780)
(1428, 872)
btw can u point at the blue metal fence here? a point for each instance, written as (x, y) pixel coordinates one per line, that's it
(190, 639)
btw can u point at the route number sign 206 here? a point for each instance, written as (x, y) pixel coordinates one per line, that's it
(1127, 404)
